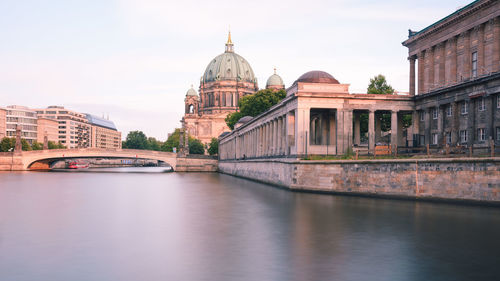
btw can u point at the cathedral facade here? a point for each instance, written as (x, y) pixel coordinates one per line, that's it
(227, 78)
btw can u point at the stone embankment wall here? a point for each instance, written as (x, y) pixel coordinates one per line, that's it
(191, 164)
(472, 179)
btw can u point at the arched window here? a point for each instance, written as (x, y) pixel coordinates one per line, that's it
(191, 109)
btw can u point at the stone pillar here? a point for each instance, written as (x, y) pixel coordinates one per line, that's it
(480, 51)
(340, 131)
(415, 120)
(430, 71)
(378, 127)
(466, 69)
(427, 126)
(421, 63)
(453, 62)
(371, 131)
(442, 59)
(455, 132)
(490, 117)
(496, 45)
(471, 128)
(401, 140)
(440, 124)
(357, 127)
(412, 75)
(394, 127)
(18, 148)
(45, 141)
(348, 129)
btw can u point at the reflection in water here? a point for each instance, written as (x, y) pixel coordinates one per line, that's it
(202, 226)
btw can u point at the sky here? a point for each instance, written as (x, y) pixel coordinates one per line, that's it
(135, 60)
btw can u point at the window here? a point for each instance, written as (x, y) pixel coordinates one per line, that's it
(474, 64)
(422, 115)
(464, 107)
(448, 137)
(498, 133)
(480, 105)
(448, 110)
(498, 101)
(481, 136)
(463, 136)
(434, 113)
(434, 138)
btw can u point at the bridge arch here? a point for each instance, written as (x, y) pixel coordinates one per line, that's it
(42, 159)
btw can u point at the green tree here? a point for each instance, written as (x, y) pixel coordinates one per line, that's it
(213, 147)
(37, 146)
(7, 144)
(153, 144)
(136, 140)
(378, 86)
(172, 141)
(26, 146)
(53, 145)
(253, 105)
(195, 146)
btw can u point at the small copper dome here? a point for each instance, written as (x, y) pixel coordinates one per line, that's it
(317, 76)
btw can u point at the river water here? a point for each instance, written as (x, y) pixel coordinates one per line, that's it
(203, 226)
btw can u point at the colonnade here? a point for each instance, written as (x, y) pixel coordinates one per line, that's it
(266, 140)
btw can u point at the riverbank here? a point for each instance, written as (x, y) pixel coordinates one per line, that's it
(466, 180)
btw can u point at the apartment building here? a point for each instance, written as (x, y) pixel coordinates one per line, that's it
(73, 128)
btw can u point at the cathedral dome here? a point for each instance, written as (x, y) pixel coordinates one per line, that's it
(317, 76)
(191, 92)
(229, 66)
(275, 81)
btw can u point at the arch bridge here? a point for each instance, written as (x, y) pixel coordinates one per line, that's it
(43, 159)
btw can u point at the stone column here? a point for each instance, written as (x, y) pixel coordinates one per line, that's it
(471, 128)
(262, 140)
(412, 75)
(45, 141)
(378, 127)
(480, 51)
(357, 128)
(371, 131)
(440, 124)
(442, 58)
(18, 148)
(455, 134)
(340, 131)
(490, 116)
(348, 129)
(427, 126)
(415, 120)
(496, 45)
(421, 64)
(453, 63)
(430, 70)
(466, 69)
(394, 127)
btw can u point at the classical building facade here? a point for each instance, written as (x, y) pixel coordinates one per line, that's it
(457, 81)
(227, 78)
(317, 116)
(454, 98)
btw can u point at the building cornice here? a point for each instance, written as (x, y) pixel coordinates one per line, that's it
(462, 85)
(447, 21)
